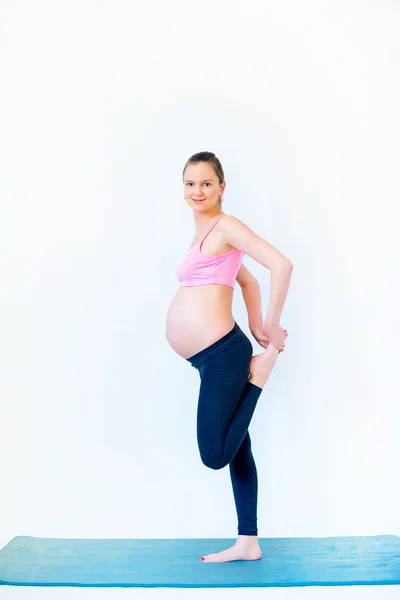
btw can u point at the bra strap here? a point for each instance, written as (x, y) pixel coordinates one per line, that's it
(211, 228)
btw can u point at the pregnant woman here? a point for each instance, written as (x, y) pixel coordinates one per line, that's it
(200, 327)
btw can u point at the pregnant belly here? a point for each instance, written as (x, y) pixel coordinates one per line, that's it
(199, 316)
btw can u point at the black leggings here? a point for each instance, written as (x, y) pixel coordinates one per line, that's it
(227, 401)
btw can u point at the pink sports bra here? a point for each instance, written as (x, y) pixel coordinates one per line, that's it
(197, 268)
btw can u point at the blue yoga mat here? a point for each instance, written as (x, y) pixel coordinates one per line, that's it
(167, 562)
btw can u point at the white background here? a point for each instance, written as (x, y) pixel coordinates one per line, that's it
(101, 105)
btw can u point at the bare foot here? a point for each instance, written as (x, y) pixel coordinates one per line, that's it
(245, 548)
(262, 364)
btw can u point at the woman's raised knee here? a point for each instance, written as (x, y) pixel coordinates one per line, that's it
(213, 462)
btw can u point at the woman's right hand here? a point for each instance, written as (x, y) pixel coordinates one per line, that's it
(259, 333)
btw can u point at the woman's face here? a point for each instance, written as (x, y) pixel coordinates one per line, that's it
(201, 183)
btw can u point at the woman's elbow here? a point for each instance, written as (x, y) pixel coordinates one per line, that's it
(284, 265)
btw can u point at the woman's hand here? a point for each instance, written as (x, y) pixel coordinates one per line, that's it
(259, 333)
(266, 333)
(275, 334)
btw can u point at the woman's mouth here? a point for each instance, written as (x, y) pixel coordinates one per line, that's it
(198, 200)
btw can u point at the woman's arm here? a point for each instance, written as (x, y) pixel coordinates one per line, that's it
(238, 235)
(279, 286)
(251, 295)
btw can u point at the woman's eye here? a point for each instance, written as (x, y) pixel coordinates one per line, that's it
(204, 184)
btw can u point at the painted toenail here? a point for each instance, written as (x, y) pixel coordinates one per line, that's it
(202, 558)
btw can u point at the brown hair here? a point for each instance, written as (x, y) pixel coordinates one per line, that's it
(208, 157)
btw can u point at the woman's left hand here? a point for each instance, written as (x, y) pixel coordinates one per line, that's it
(276, 335)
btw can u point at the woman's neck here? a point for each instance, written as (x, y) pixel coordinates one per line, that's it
(202, 222)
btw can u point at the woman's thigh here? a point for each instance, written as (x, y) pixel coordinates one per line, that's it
(223, 378)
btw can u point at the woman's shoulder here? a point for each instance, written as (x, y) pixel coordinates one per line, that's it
(231, 230)
(227, 220)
